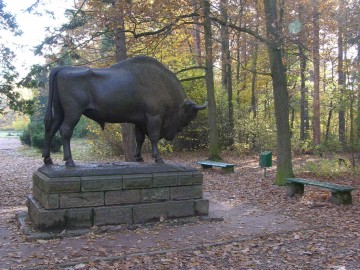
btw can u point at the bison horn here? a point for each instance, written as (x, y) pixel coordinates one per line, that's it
(200, 107)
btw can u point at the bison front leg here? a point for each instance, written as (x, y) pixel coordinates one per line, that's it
(140, 138)
(155, 151)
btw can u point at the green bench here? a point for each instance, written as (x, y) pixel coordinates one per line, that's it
(226, 167)
(340, 194)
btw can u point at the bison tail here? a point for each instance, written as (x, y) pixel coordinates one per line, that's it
(52, 89)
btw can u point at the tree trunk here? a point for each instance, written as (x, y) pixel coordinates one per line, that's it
(127, 130)
(238, 59)
(358, 95)
(351, 115)
(214, 152)
(328, 123)
(241, 57)
(196, 31)
(341, 77)
(238, 53)
(253, 81)
(254, 68)
(226, 73)
(304, 109)
(281, 95)
(316, 59)
(292, 117)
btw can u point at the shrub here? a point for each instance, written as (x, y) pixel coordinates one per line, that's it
(327, 167)
(107, 141)
(25, 137)
(302, 147)
(81, 130)
(33, 136)
(253, 135)
(194, 136)
(20, 123)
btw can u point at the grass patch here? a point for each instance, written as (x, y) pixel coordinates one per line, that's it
(329, 168)
(81, 151)
(9, 134)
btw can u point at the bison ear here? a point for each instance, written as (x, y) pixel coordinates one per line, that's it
(187, 104)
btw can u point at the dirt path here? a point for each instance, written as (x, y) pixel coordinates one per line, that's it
(234, 221)
(15, 173)
(245, 229)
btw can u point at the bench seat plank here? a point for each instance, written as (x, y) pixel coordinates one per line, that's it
(226, 167)
(215, 163)
(340, 194)
(319, 184)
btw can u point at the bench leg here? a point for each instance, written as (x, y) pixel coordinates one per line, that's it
(206, 166)
(294, 188)
(341, 197)
(228, 169)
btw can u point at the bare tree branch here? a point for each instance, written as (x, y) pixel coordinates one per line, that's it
(190, 68)
(241, 29)
(192, 79)
(255, 71)
(166, 28)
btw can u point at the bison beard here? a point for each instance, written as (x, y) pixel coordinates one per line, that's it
(138, 90)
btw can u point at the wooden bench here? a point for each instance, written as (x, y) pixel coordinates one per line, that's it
(340, 194)
(226, 167)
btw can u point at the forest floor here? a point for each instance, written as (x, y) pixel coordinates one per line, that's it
(252, 223)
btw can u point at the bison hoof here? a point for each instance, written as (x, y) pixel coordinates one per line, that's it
(159, 160)
(48, 161)
(139, 159)
(70, 164)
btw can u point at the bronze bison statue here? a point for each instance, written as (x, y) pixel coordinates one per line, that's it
(139, 90)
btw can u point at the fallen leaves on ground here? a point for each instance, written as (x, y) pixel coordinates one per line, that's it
(330, 239)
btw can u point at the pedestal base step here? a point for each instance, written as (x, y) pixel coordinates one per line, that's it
(109, 194)
(45, 219)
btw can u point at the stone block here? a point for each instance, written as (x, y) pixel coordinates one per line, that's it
(99, 183)
(149, 212)
(164, 179)
(112, 215)
(197, 178)
(137, 181)
(56, 185)
(48, 201)
(68, 200)
(114, 194)
(45, 219)
(341, 197)
(185, 178)
(186, 192)
(201, 207)
(155, 194)
(178, 209)
(294, 188)
(122, 197)
(79, 217)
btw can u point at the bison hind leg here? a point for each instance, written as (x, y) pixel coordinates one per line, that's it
(49, 134)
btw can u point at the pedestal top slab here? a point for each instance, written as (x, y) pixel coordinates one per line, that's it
(122, 168)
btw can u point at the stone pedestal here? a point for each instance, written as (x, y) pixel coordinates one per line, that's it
(122, 193)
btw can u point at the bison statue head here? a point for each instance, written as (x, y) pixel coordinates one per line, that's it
(188, 111)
